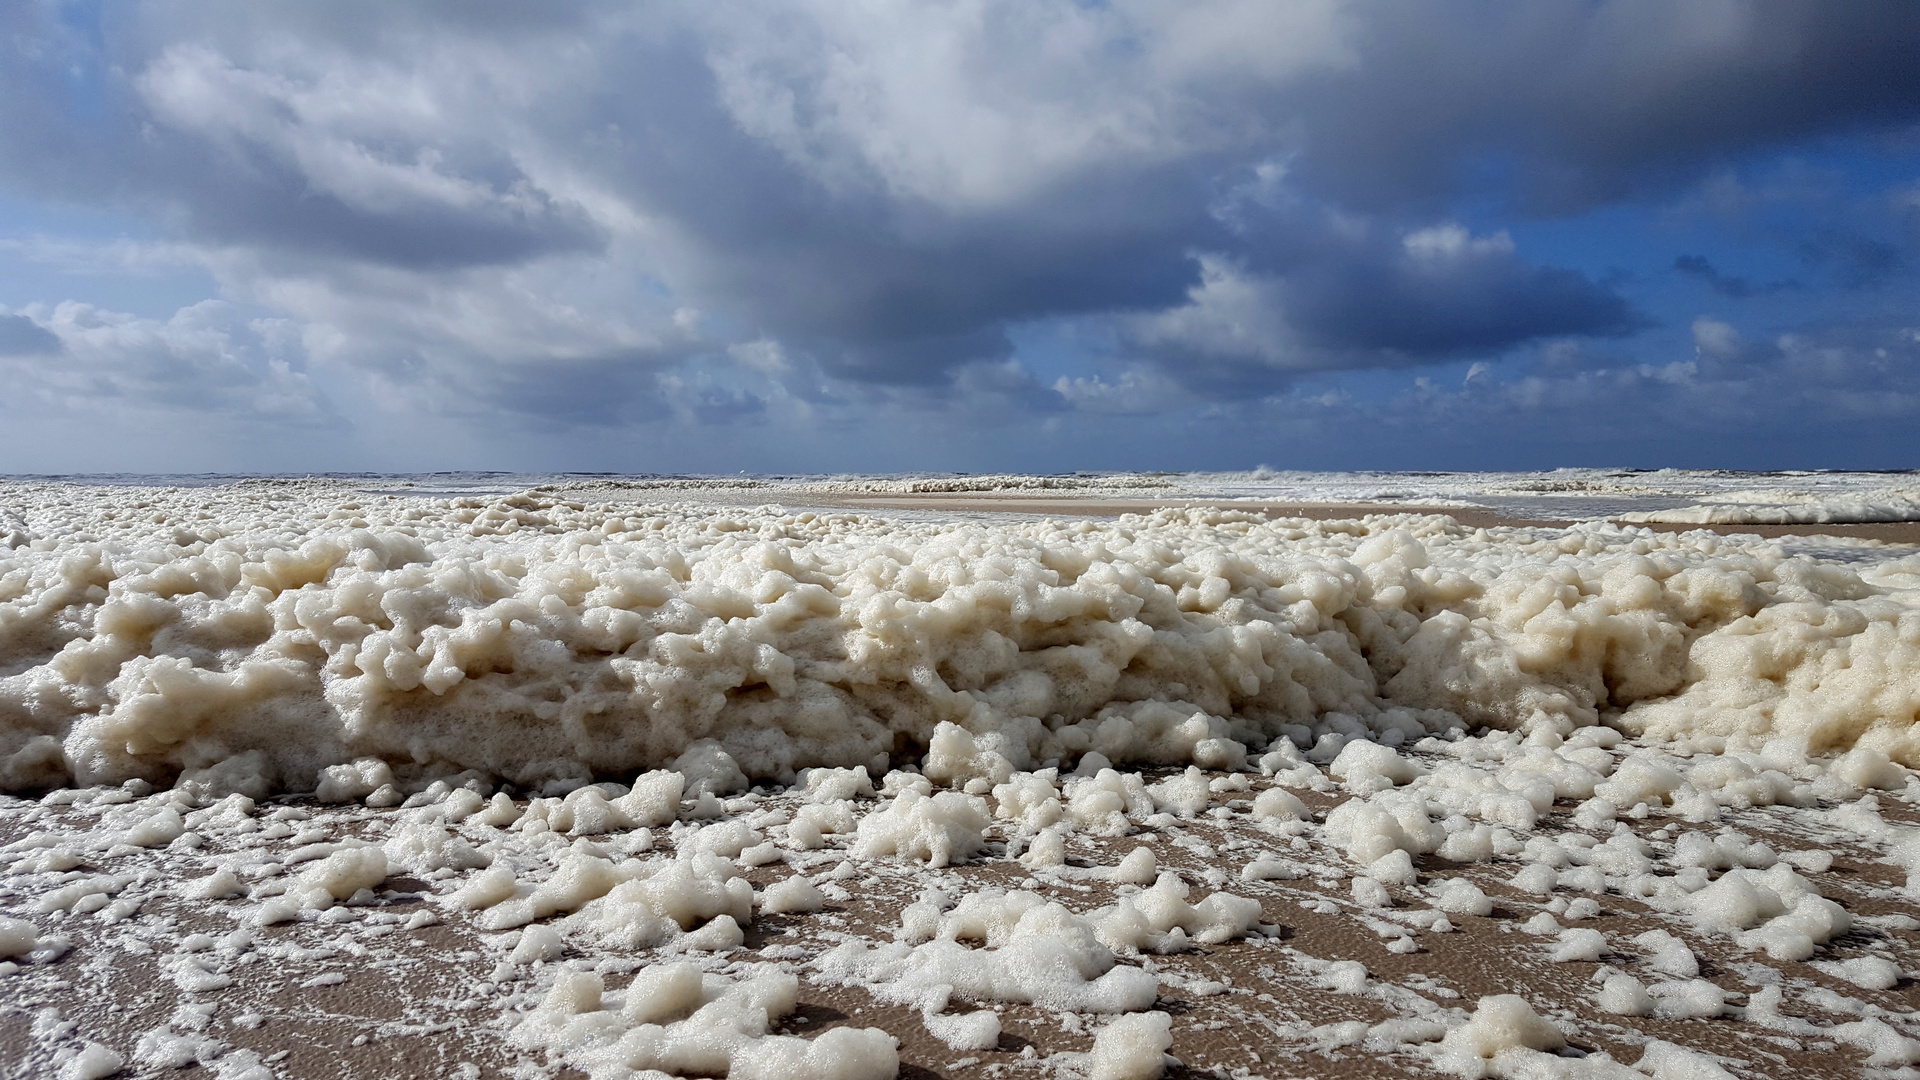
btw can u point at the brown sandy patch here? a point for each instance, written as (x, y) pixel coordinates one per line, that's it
(434, 1001)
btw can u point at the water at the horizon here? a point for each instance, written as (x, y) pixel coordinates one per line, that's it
(1559, 494)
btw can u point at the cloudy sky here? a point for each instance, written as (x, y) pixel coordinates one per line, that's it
(876, 235)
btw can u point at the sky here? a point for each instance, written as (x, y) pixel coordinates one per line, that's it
(783, 236)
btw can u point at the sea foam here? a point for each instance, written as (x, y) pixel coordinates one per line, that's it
(258, 637)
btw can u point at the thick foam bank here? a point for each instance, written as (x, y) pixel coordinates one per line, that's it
(246, 638)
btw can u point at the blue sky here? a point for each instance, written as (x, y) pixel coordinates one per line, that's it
(967, 235)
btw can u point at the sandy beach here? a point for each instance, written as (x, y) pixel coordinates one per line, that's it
(960, 540)
(365, 995)
(1541, 844)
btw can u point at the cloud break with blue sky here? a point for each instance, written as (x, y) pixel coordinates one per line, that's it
(1040, 235)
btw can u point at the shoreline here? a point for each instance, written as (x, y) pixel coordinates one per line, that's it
(1473, 517)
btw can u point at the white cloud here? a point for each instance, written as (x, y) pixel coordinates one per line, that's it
(974, 104)
(1451, 242)
(1133, 392)
(328, 126)
(764, 355)
(1230, 314)
(1714, 338)
(206, 359)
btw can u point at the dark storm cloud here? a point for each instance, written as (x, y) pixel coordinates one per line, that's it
(1815, 389)
(1819, 393)
(1856, 262)
(885, 289)
(573, 214)
(913, 360)
(611, 392)
(265, 204)
(1412, 308)
(1736, 288)
(1574, 103)
(1431, 294)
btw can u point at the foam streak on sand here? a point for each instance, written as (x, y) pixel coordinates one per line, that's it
(534, 719)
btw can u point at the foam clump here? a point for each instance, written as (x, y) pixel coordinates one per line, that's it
(1279, 804)
(353, 781)
(1688, 999)
(1368, 829)
(674, 1019)
(1501, 1025)
(426, 847)
(1366, 767)
(1107, 802)
(1865, 972)
(1131, 1048)
(1029, 799)
(1462, 897)
(1160, 919)
(1666, 1061)
(1624, 995)
(1579, 944)
(643, 904)
(938, 829)
(339, 876)
(1138, 868)
(92, 1062)
(1776, 911)
(977, 1030)
(18, 937)
(1667, 954)
(794, 895)
(1031, 951)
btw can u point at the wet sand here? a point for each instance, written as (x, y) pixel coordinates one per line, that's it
(1893, 532)
(361, 995)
